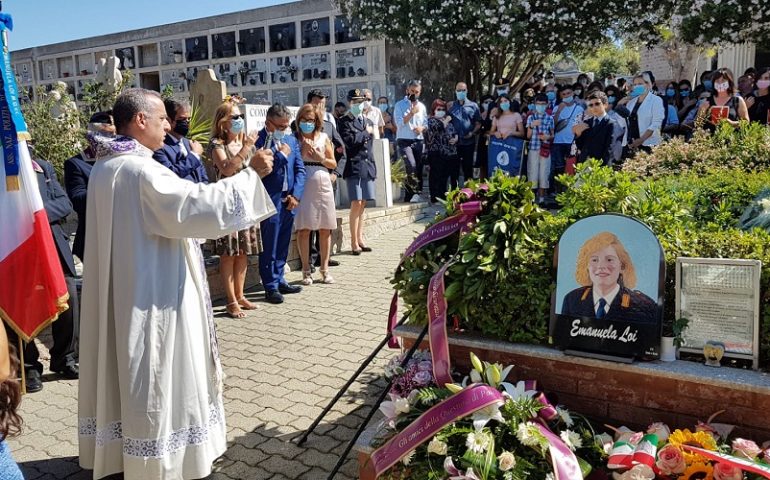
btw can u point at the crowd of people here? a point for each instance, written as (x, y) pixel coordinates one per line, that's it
(560, 124)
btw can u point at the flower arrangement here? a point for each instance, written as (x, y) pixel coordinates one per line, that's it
(509, 439)
(672, 457)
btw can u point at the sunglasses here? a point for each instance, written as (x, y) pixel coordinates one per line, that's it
(599, 104)
(236, 117)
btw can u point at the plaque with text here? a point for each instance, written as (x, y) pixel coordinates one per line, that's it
(720, 298)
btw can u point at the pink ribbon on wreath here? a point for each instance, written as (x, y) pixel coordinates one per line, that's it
(456, 223)
(464, 403)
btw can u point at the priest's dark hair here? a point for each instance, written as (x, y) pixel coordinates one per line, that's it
(129, 103)
(278, 110)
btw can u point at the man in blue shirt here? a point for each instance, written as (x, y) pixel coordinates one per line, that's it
(567, 113)
(466, 118)
(411, 119)
(178, 153)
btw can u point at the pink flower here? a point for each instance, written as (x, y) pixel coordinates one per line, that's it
(725, 471)
(746, 448)
(670, 460)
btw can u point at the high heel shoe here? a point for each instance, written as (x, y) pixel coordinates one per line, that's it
(327, 278)
(307, 277)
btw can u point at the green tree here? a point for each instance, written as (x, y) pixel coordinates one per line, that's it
(494, 38)
(611, 58)
(54, 123)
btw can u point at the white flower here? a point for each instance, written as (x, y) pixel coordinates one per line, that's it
(765, 202)
(519, 391)
(437, 446)
(549, 476)
(565, 416)
(478, 442)
(506, 461)
(483, 416)
(528, 434)
(572, 439)
(402, 405)
(408, 458)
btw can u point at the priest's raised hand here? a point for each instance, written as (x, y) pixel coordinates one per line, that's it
(262, 162)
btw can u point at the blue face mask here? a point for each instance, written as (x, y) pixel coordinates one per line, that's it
(684, 93)
(531, 107)
(307, 127)
(708, 84)
(356, 108)
(551, 96)
(638, 90)
(611, 99)
(383, 107)
(670, 92)
(505, 106)
(568, 99)
(278, 135)
(236, 126)
(540, 109)
(502, 91)
(461, 96)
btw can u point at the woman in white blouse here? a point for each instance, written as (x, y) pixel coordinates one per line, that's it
(646, 114)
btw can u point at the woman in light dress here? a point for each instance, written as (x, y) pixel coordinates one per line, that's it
(316, 210)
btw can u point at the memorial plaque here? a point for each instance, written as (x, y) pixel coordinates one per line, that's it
(608, 301)
(720, 298)
(351, 63)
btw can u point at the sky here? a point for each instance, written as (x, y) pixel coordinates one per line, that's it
(42, 22)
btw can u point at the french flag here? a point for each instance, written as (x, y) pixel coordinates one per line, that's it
(32, 287)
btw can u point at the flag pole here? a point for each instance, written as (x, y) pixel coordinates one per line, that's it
(21, 357)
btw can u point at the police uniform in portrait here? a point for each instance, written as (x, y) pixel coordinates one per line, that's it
(626, 305)
(65, 328)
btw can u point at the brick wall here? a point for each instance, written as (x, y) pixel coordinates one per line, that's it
(628, 395)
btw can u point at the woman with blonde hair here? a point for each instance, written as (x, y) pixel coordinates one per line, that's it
(230, 150)
(607, 278)
(316, 210)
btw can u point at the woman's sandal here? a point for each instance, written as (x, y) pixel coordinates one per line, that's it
(245, 304)
(327, 278)
(307, 277)
(234, 310)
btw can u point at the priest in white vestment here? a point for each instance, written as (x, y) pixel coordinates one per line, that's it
(150, 393)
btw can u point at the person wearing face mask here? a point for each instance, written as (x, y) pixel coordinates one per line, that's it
(566, 113)
(746, 86)
(374, 114)
(583, 80)
(389, 129)
(619, 123)
(316, 212)
(230, 150)
(179, 154)
(577, 91)
(705, 80)
(671, 99)
(411, 118)
(646, 112)
(540, 129)
(360, 171)
(506, 123)
(466, 119)
(441, 141)
(551, 93)
(725, 106)
(502, 87)
(759, 105)
(285, 185)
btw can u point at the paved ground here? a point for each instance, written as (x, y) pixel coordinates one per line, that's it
(283, 363)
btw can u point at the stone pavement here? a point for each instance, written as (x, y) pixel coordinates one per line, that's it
(283, 364)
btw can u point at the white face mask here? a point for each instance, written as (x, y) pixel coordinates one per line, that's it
(721, 87)
(440, 113)
(367, 104)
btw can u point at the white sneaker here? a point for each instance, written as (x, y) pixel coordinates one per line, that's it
(415, 199)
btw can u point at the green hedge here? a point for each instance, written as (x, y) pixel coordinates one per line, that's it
(503, 277)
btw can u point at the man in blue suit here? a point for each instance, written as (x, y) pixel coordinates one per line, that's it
(285, 186)
(179, 154)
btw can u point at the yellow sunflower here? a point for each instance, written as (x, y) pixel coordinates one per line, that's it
(695, 439)
(698, 471)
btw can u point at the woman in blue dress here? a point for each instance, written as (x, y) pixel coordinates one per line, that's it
(10, 396)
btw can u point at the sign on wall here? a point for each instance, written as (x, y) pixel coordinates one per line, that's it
(609, 291)
(720, 298)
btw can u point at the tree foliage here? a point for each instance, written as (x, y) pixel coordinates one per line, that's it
(55, 125)
(611, 58)
(494, 38)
